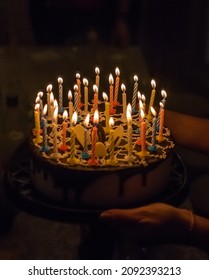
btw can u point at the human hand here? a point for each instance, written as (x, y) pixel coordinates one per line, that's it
(156, 221)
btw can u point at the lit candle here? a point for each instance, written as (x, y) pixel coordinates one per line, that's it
(44, 147)
(70, 104)
(129, 132)
(64, 147)
(111, 82)
(78, 81)
(153, 148)
(72, 158)
(60, 82)
(134, 94)
(107, 112)
(117, 81)
(93, 160)
(112, 160)
(143, 152)
(164, 95)
(123, 88)
(54, 133)
(160, 137)
(37, 124)
(51, 105)
(95, 104)
(49, 89)
(144, 102)
(97, 79)
(76, 98)
(152, 98)
(85, 154)
(40, 95)
(86, 98)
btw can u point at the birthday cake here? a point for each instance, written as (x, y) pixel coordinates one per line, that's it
(98, 152)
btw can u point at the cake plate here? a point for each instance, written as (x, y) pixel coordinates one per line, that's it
(19, 188)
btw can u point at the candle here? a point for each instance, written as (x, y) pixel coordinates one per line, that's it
(123, 88)
(144, 102)
(107, 112)
(97, 79)
(93, 160)
(129, 157)
(153, 148)
(95, 104)
(134, 94)
(49, 89)
(117, 81)
(76, 98)
(112, 160)
(78, 81)
(72, 158)
(44, 147)
(54, 133)
(85, 154)
(143, 152)
(111, 82)
(162, 104)
(51, 105)
(160, 137)
(60, 82)
(40, 95)
(64, 147)
(37, 124)
(152, 98)
(86, 101)
(70, 105)
(164, 95)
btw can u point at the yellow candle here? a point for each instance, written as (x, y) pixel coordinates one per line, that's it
(64, 147)
(95, 105)
(160, 137)
(72, 158)
(111, 160)
(129, 133)
(152, 98)
(143, 152)
(86, 98)
(93, 160)
(51, 105)
(117, 81)
(60, 82)
(107, 112)
(37, 124)
(111, 82)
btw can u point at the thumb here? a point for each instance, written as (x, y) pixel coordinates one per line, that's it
(118, 215)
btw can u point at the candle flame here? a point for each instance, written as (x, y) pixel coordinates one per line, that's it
(49, 88)
(153, 84)
(153, 111)
(74, 118)
(70, 95)
(55, 114)
(111, 122)
(65, 115)
(142, 114)
(139, 95)
(37, 99)
(60, 80)
(40, 94)
(78, 76)
(105, 97)
(55, 103)
(163, 93)
(95, 88)
(123, 87)
(117, 71)
(161, 105)
(86, 121)
(51, 98)
(96, 117)
(37, 107)
(140, 104)
(128, 112)
(45, 109)
(97, 71)
(75, 88)
(135, 78)
(85, 82)
(111, 81)
(143, 98)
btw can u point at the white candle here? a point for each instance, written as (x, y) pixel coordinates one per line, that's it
(95, 104)
(154, 122)
(97, 79)
(152, 98)
(60, 81)
(123, 88)
(107, 112)
(135, 92)
(49, 89)
(44, 148)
